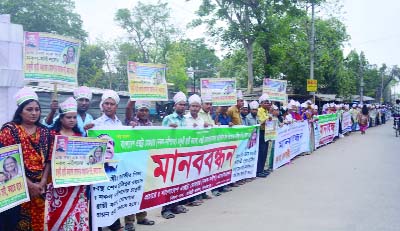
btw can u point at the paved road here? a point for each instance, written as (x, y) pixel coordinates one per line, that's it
(351, 184)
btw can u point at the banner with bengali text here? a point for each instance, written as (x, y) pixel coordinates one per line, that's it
(13, 185)
(292, 140)
(346, 122)
(146, 81)
(155, 166)
(275, 89)
(51, 58)
(78, 161)
(222, 90)
(328, 129)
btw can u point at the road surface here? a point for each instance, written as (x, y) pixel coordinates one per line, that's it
(351, 184)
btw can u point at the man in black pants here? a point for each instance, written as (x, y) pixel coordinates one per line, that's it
(263, 115)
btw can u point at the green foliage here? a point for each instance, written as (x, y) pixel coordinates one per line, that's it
(176, 69)
(53, 16)
(91, 64)
(149, 29)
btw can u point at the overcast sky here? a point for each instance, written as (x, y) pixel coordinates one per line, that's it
(372, 25)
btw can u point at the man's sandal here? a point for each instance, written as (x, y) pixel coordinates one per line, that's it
(167, 214)
(147, 222)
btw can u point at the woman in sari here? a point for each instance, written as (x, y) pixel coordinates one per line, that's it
(35, 140)
(67, 207)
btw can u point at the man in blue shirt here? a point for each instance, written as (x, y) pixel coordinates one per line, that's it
(222, 118)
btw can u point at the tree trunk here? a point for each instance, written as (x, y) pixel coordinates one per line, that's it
(250, 79)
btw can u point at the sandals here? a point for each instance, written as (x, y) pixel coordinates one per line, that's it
(206, 197)
(129, 227)
(216, 193)
(167, 214)
(179, 209)
(194, 203)
(147, 221)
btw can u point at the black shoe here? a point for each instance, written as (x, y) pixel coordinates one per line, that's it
(262, 175)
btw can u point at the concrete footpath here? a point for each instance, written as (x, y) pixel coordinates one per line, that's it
(351, 184)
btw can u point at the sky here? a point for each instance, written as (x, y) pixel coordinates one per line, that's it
(372, 25)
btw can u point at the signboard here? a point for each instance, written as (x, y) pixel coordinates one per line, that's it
(78, 161)
(312, 85)
(51, 58)
(275, 89)
(146, 81)
(222, 90)
(13, 185)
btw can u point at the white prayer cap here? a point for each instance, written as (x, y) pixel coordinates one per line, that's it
(83, 92)
(110, 94)
(346, 106)
(297, 104)
(338, 106)
(360, 105)
(354, 105)
(254, 105)
(142, 104)
(263, 97)
(275, 107)
(304, 105)
(69, 105)
(194, 99)
(245, 104)
(315, 107)
(284, 108)
(332, 105)
(309, 102)
(325, 106)
(239, 94)
(292, 101)
(24, 94)
(179, 97)
(207, 98)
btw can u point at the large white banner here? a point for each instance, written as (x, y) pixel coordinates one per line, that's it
(292, 140)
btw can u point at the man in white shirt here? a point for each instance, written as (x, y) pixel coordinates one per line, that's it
(192, 118)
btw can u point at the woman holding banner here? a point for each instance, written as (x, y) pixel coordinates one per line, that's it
(36, 142)
(68, 206)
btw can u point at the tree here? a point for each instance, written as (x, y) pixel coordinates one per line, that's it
(91, 65)
(236, 15)
(176, 69)
(149, 28)
(56, 16)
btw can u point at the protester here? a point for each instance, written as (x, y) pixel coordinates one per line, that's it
(176, 119)
(205, 111)
(108, 105)
(222, 117)
(363, 119)
(192, 118)
(36, 142)
(263, 116)
(83, 96)
(67, 206)
(244, 111)
(141, 119)
(234, 111)
(251, 118)
(354, 117)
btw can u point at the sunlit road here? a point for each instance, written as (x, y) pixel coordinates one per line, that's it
(352, 184)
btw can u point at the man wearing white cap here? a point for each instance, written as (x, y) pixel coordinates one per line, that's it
(234, 111)
(263, 116)
(205, 111)
(192, 118)
(142, 116)
(176, 119)
(251, 118)
(244, 111)
(108, 105)
(83, 96)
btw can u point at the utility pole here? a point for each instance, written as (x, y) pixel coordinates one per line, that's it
(381, 95)
(361, 80)
(312, 45)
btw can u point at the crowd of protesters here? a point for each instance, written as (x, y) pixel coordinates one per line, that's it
(69, 208)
